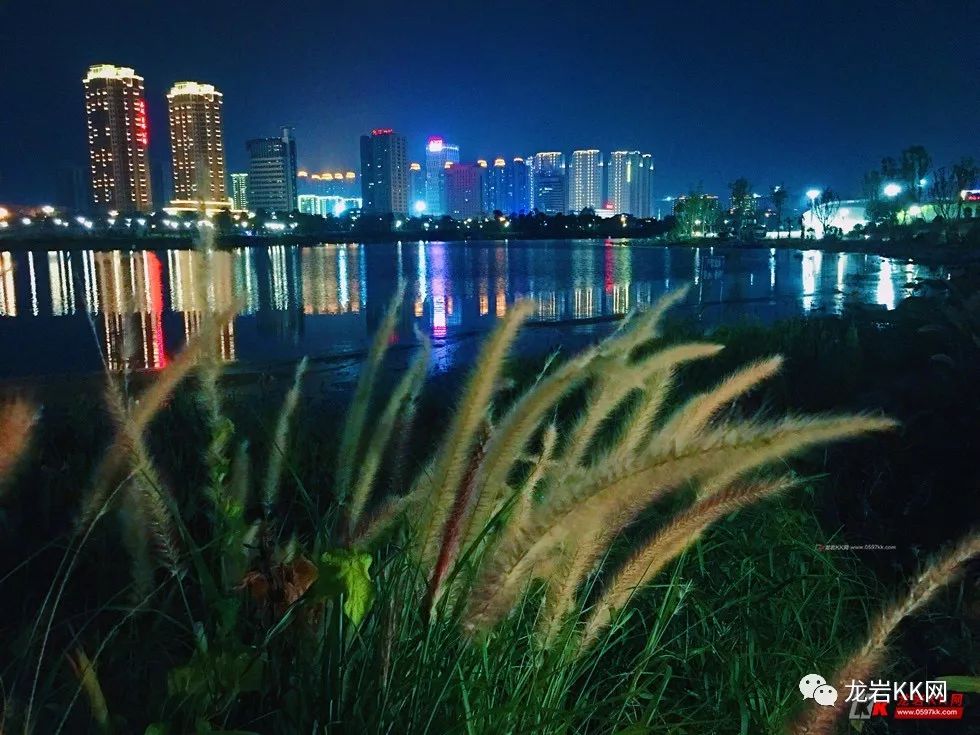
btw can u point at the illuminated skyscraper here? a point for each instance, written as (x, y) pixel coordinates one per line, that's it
(437, 154)
(548, 182)
(631, 183)
(497, 194)
(239, 191)
(416, 189)
(465, 185)
(197, 143)
(272, 172)
(384, 172)
(585, 180)
(519, 187)
(115, 113)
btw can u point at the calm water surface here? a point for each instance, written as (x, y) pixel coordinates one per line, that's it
(74, 312)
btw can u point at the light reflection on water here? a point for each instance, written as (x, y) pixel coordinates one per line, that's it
(327, 300)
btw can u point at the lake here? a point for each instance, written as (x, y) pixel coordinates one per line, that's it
(71, 312)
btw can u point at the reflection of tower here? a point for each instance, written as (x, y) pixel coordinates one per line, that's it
(280, 291)
(617, 272)
(8, 292)
(61, 282)
(203, 284)
(441, 300)
(331, 283)
(584, 301)
(501, 280)
(129, 289)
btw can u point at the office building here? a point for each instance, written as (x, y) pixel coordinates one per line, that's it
(496, 189)
(384, 172)
(465, 184)
(585, 180)
(416, 189)
(519, 187)
(239, 191)
(630, 183)
(549, 182)
(197, 146)
(437, 154)
(118, 139)
(272, 172)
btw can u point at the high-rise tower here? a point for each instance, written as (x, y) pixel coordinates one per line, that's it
(118, 138)
(197, 144)
(384, 172)
(585, 180)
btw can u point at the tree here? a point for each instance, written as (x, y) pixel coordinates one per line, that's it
(915, 165)
(741, 191)
(944, 193)
(825, 208)
(965, 174)
(779, 196)
(697, 213)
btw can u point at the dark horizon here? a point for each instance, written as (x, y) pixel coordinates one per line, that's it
(796, 95)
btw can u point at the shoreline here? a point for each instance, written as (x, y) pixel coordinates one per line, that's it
(947, 255)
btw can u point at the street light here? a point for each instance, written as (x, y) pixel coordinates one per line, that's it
(813, 194)
(892, 190)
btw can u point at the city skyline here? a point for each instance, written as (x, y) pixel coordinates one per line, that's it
(709, 111)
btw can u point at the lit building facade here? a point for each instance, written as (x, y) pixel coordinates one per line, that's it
(118, 139)
(384, 172)
(239, 191)
(437, 154)
(272, 172)
(585, 180)
(465, 185)
(197, 144)
(549, 182)
(496, 188)
(630, 183)
(519, 182)
(416, 189)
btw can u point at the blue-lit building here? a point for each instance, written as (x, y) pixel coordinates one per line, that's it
(438, 153)
(507, 187)
(549, 183)
(416, 189)
(519, 187)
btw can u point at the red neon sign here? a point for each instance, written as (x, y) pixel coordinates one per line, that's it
(142, 129)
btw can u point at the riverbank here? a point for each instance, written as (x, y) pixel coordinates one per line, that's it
(738, 591)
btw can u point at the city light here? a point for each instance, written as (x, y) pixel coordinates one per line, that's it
(25, 221)
(339, 208)
(47, 209)
(4, 213)
(813, 194)
(892, 189)
(915, 210)
(436, 145)
(419, 206)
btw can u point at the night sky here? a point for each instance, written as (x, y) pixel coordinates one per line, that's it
(808, 93)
